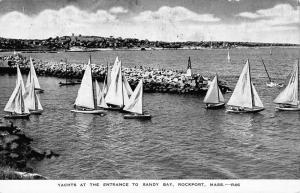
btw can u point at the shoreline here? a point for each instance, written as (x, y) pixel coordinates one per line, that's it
(140, 49)
(17, 153)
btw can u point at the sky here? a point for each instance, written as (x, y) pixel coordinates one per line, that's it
(273, 21)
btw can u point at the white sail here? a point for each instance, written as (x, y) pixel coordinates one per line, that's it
(125, 95)
(107, 81)
(115, 68)
(20, 79)
(242, 94)
(16, 103)
(114, 94)
(127, 86)
(85, 96)
(100, 97)
(32, 76)
(228, 57)
(31, 99)
(135, 104)
(290, 94)
(214, 94)
(256, 99)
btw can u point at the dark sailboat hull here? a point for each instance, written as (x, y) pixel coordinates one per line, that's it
(17, 116)
(99, 112)
(68, 83)
(245, 110)
(215, 106)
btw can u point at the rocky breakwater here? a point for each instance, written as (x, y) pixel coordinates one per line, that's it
(155, 80)
(17, 154)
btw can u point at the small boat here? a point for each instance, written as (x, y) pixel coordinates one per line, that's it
(135, 105)
(16, 105)
(244, 98)
(32, 77)
(85, 101)
(32, 100)
(68, 82)
(214, 98)
(228, 57)
(288, 99)
(270, 83)
(117, 95)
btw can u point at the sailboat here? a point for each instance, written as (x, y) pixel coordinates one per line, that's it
(270, 83)
(85, 101)
(100, 96)
(33, 78)
(288, 99)
(67, 81)
(16, 105)
(228, 57)
(135, 104)
(244, 98)
(20, 79)
(32, 100)
(117, 94)
(214, 98)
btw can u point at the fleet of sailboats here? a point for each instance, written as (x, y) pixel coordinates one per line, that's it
(116, 94)
(244, 98)
(288, 99)
(214, 98)
(16, 106)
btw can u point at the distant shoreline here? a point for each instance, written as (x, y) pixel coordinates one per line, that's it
(95, 43)
(139, 49)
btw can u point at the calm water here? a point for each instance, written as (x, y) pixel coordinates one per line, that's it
(183, 140)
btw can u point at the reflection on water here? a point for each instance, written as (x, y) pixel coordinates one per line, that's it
(182, 141)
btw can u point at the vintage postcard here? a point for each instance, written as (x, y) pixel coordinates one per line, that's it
(149, 95)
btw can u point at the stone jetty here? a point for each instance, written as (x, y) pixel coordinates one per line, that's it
(16, 153)
(155, 80)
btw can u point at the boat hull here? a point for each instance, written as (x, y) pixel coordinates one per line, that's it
(288, 108)
(138, 116)
(273, 84)
(36, 112)
(68, 84)
(17, 116)
(99, 112)
(246, 110)
(215, 106)
(39, 90)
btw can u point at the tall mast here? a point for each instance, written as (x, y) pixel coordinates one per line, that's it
(92, 82)
(66, 69)
(218, 88)
(252, 98)
(122, 84)
(266, 70)
(22, 101)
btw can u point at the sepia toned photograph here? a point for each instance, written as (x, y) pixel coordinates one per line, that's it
(149, 89)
